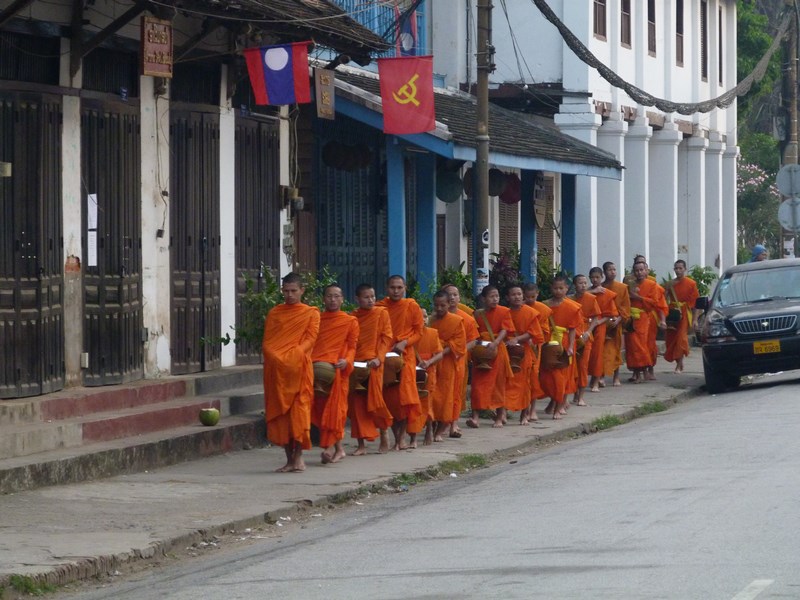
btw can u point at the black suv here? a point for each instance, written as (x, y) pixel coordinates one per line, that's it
(751, 323)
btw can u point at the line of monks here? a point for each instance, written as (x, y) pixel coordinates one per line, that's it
(383, 368)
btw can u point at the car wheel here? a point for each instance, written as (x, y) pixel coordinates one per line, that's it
(716, 381)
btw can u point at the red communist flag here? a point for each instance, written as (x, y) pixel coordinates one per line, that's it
(407, 94)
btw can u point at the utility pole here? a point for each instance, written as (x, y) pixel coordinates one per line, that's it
(790, 151)
(480, 229)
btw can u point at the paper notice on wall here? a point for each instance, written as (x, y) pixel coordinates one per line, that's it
(91, 211)
(91, 249)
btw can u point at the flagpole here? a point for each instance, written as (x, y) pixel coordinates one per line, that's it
(480, 229)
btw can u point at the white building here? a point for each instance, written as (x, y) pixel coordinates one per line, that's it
(677, 198)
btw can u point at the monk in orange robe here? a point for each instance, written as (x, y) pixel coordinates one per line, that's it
(682, 294)
(646, 296)
(471, 331)
(429, 354)
(290, 331)
(453, 338)
(489, 383)
(662, 308)
(612, 352)
(524, 337)
(336, 345)
(407, 326)
(567, 314)
(531, 293)
(606, 300)
(367, 408)
(585, 341)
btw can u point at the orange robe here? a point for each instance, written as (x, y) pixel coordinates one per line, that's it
(518, 387)
(407, 324)
(558, 382)
(544, 322)
(590, 309)
(427, 346)
(608, 309)
(471, 330)
(612, 352)
(447, 400)
(367, 411)
(489, 385)
(661, 306)
(677, 336)
(337, 339)
(290, 331)
(638, 352)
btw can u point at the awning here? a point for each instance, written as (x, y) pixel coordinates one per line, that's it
(516, 140)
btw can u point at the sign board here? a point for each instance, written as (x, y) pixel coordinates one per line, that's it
(789, 214)
(324, 89)
(156, 47)
(788, 180)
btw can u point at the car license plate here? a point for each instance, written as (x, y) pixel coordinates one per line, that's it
(766, 347)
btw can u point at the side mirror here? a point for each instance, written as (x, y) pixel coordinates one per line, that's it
(701, 303)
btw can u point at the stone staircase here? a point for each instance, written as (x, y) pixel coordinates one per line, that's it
(88, 433)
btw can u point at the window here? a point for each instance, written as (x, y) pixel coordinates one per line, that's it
(704, 40)
(625, 24)
(679, 33)
(719, 48)
(651, 27)
(600, 19)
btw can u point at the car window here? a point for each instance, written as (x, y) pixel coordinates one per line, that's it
(758, 286)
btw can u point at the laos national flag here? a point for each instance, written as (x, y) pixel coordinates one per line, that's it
(279, 74)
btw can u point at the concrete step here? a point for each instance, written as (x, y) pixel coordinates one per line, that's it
(131, 454)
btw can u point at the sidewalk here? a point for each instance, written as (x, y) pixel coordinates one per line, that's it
(71, 532)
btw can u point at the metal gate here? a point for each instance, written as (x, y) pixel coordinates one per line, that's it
(31, 256)
(194, 242)
(351, 214)
(258, 206)
(112, 257)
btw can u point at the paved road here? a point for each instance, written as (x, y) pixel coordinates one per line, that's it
(697, 502)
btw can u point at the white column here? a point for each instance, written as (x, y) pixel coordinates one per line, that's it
(714, 199)
(663, 199)
(285, 141)
(636, 207)
(611, 194)
(227, 219)
(729, 207)
(156, 275)
(693, 213)
(580, 121)
(455, 248)
(72, 199)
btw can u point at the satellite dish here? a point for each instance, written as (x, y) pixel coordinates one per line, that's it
(448, 186)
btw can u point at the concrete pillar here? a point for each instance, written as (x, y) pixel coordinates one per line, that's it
(396, 209)
(611, 196)
(714, 199)
(729, 204)
(227, 219)
(636, 207)
(662, 203)
(580, 121)
(455, 248)
(72, 200)
(156, 275)
(693, 212)
(285, 137)
(426, 220)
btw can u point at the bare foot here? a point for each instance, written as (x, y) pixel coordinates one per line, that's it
(401, 447)
(617, 382)
(557, 416)
(678, 370)
(563, 411)
(534, 417)
(326, 457)
(299, 468)
(602, 383)
(498, 424)
(284, 469)
(436, 438)
(595, 389)
(650, 377)
(384, 445)
(412, 446)
(524, 421)
(338, 455)
(472, 423)
(581, 403)
(360, 451)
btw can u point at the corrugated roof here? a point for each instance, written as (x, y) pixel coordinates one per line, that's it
(321, 20)
(510, 132)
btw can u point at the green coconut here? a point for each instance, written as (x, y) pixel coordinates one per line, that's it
(209, 416)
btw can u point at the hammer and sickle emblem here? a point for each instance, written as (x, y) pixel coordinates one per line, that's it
(407, 93)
